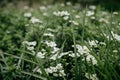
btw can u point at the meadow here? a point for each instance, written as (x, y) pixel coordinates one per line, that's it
(59, 42)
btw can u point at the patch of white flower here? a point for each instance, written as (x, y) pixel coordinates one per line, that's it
(40, 55)
(83, 50)
(30, 45)
(90, 13)
(59, 55)
(74, 55)
(63, 14)
(66, 17)
(103, 20)
(91, 76)
(93, 7)
(77, 16)
(43, 8)
(74, 22)
(28, 14)
(56, 71)
(90, 58)
(116, 36)
(50, 43)
(48, 34)
(35, 20)
(115, 13)
(93, 43)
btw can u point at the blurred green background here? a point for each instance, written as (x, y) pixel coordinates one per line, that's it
(107, 4)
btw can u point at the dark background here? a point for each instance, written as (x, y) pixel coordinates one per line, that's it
(111, 5)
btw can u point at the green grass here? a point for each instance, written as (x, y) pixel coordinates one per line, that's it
(59, 43)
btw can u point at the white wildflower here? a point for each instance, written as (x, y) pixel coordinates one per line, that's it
(68, 3)
(74, 22)
(48, 70)
(77, 16)
(115, 51)
(35, 20)
(59, 66)
(116, 36)
(45, 14)
(102, 43)
(55, 74)
(61, 13)
(92, 7)
(93, 43)
(40, 55)
(62, 4)
(48, 34)
(54, 57)
(103, 20)
(32, 43)
(89, 13)
(55, 49)
(115, 13)
(91, 58)
(62, 73)
(82, 49)
(66, 17)
(51, 44)
(27, 14)
(43, 8)
(39, 71)
(91, 76)
(31, 48)
(92, 17)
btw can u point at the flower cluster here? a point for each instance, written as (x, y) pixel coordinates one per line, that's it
(56, 71)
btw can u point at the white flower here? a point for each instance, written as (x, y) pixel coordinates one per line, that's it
(43, 8)
(48, 70)
(102, 43)
(35, 20)
(62, 73)
(115, 51)
(103, 20)
(82, 49)
(77, 16)
(89, 13)
(62, 4)
(55, 74)
(116, 36)
(91, 76)
(55, 49)
(115, 13)
(92, 17)
(32, 43)
(93, 43)
(40, 55)
(54, 69)
(59, 66)
(91, 58)
(39, 70)
(45, 14)
(51, 44)
(68, 3)
(31, 48)
(73, 55)
(74, 22)
(27, 14)
(61, 13)
(48, 34)
(54, 57)
(65, 17)
(92, 7)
